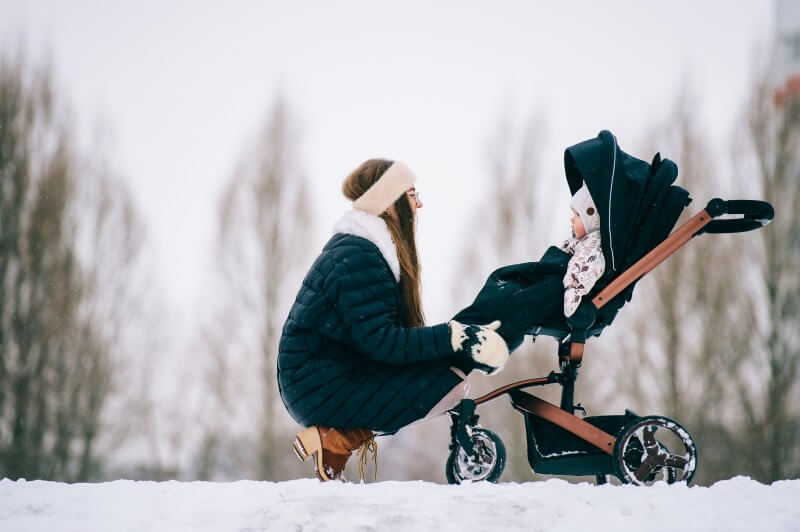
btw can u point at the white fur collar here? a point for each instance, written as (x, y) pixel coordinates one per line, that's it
(374, 229)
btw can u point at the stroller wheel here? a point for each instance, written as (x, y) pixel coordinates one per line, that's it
(486, 463)
(652, 449)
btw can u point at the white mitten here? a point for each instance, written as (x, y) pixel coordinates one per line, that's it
(487, 349)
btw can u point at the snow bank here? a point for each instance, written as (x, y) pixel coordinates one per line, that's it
(552, 505)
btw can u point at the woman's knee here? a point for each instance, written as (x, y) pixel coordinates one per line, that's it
(451, 398)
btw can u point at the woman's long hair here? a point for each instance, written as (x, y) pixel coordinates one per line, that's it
(402, 231)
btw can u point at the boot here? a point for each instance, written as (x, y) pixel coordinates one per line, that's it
(332, 447)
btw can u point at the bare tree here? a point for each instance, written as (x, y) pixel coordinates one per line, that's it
(768, 387)
(683, 336)
(715, 343)
(57, 363)
(264, 221)
(516, 223)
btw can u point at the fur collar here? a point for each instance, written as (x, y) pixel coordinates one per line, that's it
(372, 228)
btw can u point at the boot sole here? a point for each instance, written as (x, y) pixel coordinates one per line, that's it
(307, 444)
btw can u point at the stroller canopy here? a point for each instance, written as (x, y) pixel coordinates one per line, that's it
(637, 202)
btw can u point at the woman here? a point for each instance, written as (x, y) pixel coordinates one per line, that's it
(355, 357)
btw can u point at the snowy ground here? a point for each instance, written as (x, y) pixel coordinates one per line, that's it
(552, 505)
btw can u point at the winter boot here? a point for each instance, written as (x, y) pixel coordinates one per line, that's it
(332, 447)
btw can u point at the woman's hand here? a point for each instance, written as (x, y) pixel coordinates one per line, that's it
(487, 349)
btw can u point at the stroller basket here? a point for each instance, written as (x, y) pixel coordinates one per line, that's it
(554, 450)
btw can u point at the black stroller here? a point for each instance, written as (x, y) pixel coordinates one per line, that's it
(638, 207)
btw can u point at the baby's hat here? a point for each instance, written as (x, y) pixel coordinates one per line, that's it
(582, 204)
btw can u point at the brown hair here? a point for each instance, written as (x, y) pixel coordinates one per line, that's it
(403, 235)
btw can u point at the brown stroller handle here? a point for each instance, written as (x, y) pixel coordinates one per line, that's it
(755, 215)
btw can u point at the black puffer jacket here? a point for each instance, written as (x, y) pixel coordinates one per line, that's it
(345, 358)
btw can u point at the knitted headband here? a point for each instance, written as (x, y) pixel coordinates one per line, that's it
(384, 192)
(582, 204)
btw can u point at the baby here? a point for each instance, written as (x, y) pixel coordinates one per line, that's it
(519, 298)
(587, 263)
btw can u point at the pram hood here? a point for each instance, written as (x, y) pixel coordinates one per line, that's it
(636, 201)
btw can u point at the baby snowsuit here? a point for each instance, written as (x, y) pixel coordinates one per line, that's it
(585, 267)
(587, 264)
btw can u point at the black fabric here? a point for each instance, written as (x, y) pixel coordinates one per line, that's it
(346, 359)
(637, 203)
(638, 207)
(522, 296)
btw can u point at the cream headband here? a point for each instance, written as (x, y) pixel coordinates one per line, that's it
(384, 192)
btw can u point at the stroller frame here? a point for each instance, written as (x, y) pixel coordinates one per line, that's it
(560, 442)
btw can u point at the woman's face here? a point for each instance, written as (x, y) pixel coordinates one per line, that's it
(413, 198)
(413, 201)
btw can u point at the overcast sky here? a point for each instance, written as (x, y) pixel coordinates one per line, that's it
(177, 89)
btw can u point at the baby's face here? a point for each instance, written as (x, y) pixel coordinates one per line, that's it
(577, 226)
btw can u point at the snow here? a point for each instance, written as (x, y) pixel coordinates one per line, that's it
(552, 505)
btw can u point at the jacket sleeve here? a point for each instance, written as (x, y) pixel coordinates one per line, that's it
(367, 300)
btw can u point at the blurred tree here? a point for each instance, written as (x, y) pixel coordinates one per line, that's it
(57, 325)
(715, 341)
(684, 326)
(768, 387)
(517, 208)
(264, 220)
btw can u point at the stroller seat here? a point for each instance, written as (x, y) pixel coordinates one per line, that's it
(638, 206)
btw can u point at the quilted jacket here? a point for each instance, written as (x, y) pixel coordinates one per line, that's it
(346, 358)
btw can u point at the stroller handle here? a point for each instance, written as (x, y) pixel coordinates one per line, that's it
(755, 215)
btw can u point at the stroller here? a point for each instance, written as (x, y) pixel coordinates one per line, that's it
(638, 207)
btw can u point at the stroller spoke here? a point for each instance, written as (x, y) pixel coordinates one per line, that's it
(674, 460)
(645, 469)
(650, 443)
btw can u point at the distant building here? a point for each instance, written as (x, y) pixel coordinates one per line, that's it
(788, 29)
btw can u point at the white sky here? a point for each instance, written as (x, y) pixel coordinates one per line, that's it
(179, 88)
